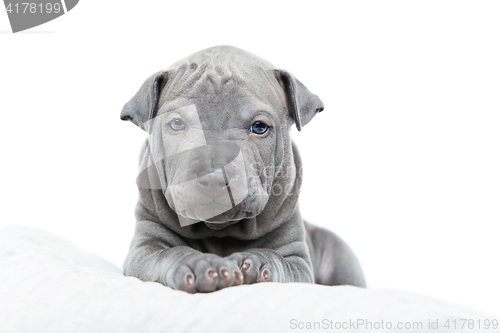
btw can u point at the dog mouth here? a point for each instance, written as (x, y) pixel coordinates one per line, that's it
(217, 212)
(214, 193)
(219, 225)
(217, 220)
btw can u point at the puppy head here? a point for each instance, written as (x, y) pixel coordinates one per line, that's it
(219, 124)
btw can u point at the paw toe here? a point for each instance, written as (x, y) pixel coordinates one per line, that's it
(185, 279)
(206, 276)
(265, 274)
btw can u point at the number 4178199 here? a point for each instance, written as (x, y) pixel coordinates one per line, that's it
(29, 7)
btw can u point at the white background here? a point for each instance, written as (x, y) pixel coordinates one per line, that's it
(403, 163)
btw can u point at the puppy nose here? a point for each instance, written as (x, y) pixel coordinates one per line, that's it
(208, 159)
(212, 184)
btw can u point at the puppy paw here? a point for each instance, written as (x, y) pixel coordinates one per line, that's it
(207, 272)
(254, 268)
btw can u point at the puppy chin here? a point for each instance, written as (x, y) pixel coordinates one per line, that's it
(228, 218)
(218, 222)
(219, 225)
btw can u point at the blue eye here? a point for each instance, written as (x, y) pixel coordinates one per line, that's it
(177, 125)
(259, 128)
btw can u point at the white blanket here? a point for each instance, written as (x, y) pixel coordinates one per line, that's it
(49, 285)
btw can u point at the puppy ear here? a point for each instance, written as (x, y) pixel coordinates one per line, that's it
(302, 104)
(143, 106)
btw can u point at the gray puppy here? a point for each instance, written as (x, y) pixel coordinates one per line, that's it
(220, 178)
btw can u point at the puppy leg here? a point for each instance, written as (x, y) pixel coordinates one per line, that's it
(333, 260)
(157, 254)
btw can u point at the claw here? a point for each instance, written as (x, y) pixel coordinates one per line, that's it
(265, 274)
